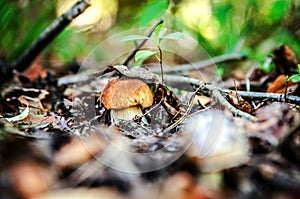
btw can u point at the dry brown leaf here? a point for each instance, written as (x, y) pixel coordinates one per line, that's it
(183, 186)
(78, 151)
(279, 84)
(34, 71)
(240, 103)
(285, 60)
(79, 193)
(30, 179)
(38, 119)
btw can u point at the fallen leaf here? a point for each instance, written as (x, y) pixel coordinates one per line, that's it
(30, 179)
(83, 150)
(285, 61)
(279, 84)
(39, 119)
(34, 103)
(19, 117)
(240, 103)
(78, 193)
(34, 71)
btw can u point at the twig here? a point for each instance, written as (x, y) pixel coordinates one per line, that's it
(217, 93)
(185, 114)
(213, 91)
(270, 96)
(24, 61)
(161, 65)
(137, 48)
(201, 64)
(65, 126)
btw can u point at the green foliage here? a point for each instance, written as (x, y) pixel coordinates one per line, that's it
(67, 46)
(134, 37)
(159, 34)
(152, 11)
(262, 25)
(142, 55)
(294, 78)
(174, 35)
(220, 72)
(20, 24)
(268, 65)
(278, 10)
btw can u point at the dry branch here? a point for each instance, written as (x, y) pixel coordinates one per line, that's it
(269, 96)
(218, 94)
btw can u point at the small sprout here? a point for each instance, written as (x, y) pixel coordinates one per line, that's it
(142, 55)
(220, 71)
(294, 78)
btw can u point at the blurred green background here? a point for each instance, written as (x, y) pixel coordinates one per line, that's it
(254, 27)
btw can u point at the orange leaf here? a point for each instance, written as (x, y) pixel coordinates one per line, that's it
(34, 71)
(278, 85)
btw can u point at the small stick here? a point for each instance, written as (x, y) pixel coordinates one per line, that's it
(252, 95)
(270, 96)
(213, 91)
(161, 66)
(65, 126)
(131, 55)
(285, 89)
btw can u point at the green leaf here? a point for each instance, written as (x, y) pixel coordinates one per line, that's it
(134, 37)
(295, 78)
(158, 28)
(142, 55)
(278, 10)
(174, 35)
(220, 72)
(152, 11)
(161, 34)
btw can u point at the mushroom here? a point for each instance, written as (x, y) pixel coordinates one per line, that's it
(124, 98)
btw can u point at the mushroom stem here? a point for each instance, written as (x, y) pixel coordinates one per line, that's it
(127, 114)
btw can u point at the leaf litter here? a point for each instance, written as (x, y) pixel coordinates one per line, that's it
(42, 145)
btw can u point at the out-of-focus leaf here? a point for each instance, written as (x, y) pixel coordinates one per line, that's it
(221, 11)
(279, 84)
(19, 117)
(174, 35)
(268, 65)
(134, 37)
(161, 35)
(295, 78)
(158, 30)
(35, 71)
(152, 11)
(278, 10)
(220, 71)
(142, 55)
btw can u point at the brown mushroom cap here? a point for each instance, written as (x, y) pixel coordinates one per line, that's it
(124, 93)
